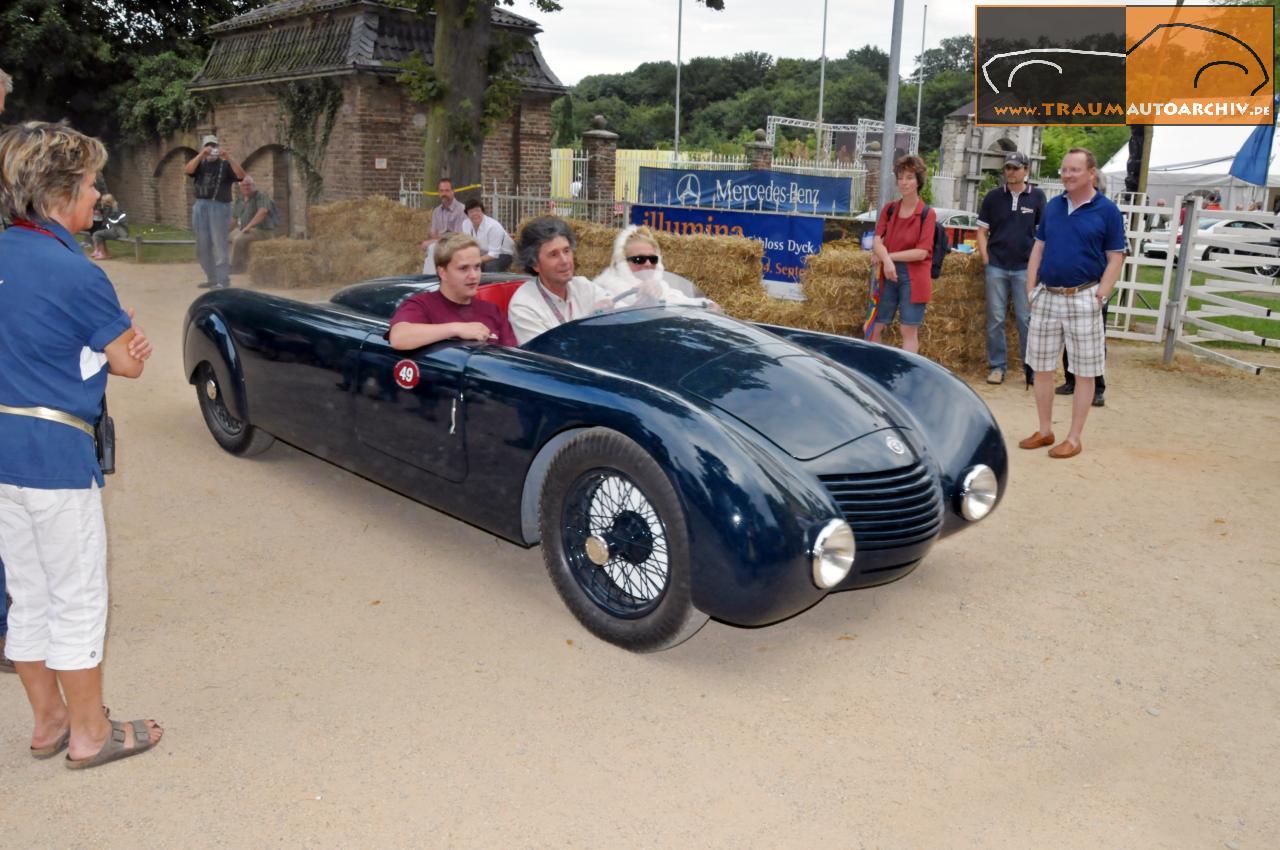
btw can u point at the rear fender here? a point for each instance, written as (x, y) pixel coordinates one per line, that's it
(208, 340)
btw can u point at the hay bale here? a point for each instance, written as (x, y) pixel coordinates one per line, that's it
(284, 264)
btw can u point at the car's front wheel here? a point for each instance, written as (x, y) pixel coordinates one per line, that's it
(615, 543)
(234, 435)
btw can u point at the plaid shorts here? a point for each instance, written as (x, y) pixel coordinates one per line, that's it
(1073, 319)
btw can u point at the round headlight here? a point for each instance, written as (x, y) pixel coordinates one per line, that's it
(833, 552)
(978, 493)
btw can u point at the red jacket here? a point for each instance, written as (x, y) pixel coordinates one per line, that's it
(903, 234)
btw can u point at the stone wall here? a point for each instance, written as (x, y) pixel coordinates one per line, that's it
(377, 122)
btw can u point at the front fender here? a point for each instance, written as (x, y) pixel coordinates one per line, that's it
(208, 340)
(750, 511)
(953, 421)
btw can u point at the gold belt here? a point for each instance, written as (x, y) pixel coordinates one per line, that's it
(50, 414)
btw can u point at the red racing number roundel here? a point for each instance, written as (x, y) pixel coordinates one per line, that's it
(407, 374)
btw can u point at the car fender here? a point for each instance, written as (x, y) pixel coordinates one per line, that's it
(208, 340)
(951, 417)
(750, 511)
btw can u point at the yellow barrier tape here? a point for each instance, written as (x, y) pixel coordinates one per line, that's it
(456, 189)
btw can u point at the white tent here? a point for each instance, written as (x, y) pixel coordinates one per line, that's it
(1184, 159)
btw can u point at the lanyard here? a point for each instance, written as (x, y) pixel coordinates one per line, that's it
(27, 224)
(554, 309)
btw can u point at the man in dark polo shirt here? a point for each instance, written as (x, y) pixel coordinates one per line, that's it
(1007, 220)
(451, 312)
(213, 171)
(1074, 265)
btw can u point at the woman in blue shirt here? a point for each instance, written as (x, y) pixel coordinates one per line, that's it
(62, 330)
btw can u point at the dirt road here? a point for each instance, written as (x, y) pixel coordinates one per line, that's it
(1094, 666)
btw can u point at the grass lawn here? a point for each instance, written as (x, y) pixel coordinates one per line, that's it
(1269, 328)
(124, 251)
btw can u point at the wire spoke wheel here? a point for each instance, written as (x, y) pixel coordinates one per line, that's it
(234, 435)
(608, 508)
(615, 542)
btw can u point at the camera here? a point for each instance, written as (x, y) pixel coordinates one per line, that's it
(215, 152)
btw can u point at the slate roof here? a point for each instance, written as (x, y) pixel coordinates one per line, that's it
(294, 8)
(293, 39)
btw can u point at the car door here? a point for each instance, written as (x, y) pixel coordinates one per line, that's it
(410, 404)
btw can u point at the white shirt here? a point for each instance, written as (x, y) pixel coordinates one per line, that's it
(530, 311)
(492, 238)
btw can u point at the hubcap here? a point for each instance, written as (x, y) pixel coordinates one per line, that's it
(597, 550)
(211, 389)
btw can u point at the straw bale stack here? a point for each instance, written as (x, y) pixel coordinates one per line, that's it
(350, 241)
(284, 264)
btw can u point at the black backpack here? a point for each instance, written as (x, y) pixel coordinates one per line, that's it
(941, 244)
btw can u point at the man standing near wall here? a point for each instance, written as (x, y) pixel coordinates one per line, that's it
(448, 217)
(1007, 221)
(253, 217)
(214, 171)
(1076, 261)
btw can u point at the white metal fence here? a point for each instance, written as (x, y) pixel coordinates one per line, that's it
(1237, 252)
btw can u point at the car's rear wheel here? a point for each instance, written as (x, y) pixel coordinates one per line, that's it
(615, 543)
(234, 435)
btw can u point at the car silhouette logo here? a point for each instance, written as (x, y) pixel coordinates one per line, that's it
(689, 190)
(895, 445)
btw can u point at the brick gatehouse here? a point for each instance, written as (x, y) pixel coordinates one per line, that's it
(378, 132)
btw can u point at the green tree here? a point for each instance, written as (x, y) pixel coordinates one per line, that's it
(74, 59)
(1056, 141)
(469, 87)
(158, 102)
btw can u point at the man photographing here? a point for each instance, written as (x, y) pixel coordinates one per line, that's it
(214, 171)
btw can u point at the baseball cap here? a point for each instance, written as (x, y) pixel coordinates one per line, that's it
(210, 139)
(1017, 158)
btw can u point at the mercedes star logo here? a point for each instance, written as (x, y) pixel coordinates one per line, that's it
(688, 190)
(895, 445)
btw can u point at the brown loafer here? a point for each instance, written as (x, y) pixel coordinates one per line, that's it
(1065, 449)
(1037, 441)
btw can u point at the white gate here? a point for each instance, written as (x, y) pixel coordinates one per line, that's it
(1136, 310)
(1237, 252)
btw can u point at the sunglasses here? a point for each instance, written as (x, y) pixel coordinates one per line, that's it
(643, 259)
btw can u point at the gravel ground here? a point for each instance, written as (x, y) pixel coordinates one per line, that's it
(336, 666)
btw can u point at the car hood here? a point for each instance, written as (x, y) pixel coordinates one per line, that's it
(805, 404)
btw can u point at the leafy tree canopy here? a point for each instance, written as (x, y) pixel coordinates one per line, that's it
(724, 99)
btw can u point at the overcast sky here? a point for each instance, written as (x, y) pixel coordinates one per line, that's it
(613, 36)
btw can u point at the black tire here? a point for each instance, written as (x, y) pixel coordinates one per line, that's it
(604, 491)
(235, 436)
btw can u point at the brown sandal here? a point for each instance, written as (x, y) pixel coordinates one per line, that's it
(51, 750)
(114, 749)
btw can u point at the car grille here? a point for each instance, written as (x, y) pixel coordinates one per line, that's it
(887, 510)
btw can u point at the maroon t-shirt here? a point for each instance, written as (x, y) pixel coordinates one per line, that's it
(432, 308)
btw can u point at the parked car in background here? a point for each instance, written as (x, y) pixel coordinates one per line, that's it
(1157, 242)
(961, 225)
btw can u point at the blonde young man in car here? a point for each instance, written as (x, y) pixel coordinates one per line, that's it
(452, 311)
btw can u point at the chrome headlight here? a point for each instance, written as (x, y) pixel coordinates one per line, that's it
(978, 491)
(833, 552)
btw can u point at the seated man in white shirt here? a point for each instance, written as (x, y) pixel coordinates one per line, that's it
(554, 296)
(496, 247)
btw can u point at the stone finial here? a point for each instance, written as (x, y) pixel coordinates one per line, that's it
(598, 123)
(760, 135)
(874, 147)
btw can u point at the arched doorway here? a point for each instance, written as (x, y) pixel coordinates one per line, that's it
(271, 168)
(175, 192)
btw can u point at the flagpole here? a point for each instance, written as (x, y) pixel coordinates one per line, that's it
(679, 33)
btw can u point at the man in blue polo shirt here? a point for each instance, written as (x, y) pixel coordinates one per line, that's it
(1007, 221)
(1074, 265)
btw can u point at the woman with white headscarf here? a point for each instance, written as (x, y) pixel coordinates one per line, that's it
(635, 278)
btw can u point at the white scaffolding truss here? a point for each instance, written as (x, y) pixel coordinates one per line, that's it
(862, 129)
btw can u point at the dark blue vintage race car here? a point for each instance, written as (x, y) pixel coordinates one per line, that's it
(675, 464)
